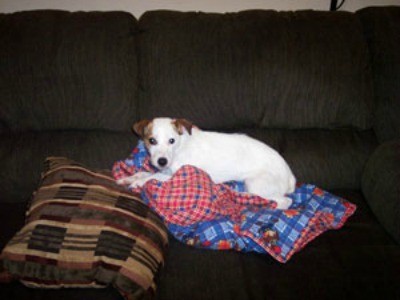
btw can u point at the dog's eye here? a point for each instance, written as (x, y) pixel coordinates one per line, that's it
(171, 141)
(152, 141)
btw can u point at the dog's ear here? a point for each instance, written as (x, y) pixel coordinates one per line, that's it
(182, 124)
(139, 127)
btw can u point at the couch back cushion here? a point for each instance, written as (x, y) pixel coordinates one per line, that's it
(62, 70)
(256, 69)
(382, 31)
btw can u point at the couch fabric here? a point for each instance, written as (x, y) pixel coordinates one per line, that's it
(256, 69)
(320, 87)
(382, 33)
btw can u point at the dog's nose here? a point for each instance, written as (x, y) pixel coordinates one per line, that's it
(162, 162)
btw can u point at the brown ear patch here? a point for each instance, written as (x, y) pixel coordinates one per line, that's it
(142, 128)
(181, 124)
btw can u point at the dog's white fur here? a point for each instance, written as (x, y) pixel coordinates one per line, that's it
(224, 157)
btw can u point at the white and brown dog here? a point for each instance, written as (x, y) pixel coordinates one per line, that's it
(173, 143)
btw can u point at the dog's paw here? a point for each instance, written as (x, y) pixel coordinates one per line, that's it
(122, 181)
(138, 183)
(139, 179)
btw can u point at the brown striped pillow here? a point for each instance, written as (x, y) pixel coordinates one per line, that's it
(83, 230)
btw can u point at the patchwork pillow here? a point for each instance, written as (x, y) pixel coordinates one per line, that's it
(83, 230)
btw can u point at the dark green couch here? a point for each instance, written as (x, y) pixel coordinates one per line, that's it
(322, 88)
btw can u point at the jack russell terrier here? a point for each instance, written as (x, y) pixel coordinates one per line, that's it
(173, 143)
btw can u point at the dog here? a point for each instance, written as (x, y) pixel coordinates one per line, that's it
(173, 143)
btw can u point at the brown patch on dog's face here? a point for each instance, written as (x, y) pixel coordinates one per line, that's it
(181, 124)
(144, 130)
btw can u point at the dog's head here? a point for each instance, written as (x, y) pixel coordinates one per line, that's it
(162, 137)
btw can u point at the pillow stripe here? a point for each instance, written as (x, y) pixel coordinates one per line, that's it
(98, 212)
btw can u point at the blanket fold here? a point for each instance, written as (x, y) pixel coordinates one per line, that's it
(200, 213)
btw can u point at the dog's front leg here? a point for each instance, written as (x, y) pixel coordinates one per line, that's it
(139, 182)
(140, 178)
(131, 179)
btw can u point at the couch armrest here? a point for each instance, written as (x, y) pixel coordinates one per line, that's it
(381, 186)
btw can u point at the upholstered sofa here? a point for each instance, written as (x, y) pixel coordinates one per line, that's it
(323, 88)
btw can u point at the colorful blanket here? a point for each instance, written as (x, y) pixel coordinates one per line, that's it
(200, 213)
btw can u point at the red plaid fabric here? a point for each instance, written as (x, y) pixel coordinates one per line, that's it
(191, 196)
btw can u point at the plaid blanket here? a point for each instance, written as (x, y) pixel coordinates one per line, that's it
(200, 213)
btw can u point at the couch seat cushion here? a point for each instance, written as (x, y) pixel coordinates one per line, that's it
(359, 261)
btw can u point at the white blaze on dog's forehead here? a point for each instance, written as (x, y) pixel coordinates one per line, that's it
(163, 129)
(163, 122)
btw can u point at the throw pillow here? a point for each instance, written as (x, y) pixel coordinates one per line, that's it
(83, 230)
